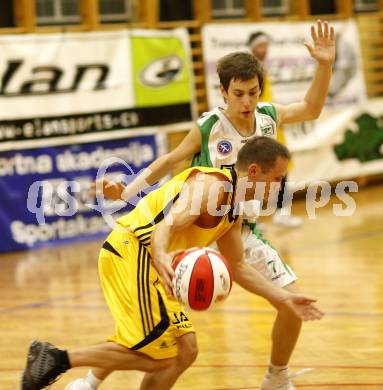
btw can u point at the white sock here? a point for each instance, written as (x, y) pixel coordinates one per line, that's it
(275, 369)
(92, 380)
(285, 211)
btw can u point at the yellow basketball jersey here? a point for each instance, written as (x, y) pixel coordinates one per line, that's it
(154, 207)
(266, 93)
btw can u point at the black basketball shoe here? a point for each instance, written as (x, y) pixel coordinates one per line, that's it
(45, 363)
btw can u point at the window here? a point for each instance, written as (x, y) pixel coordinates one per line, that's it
(365, 5)
(236, 8)
(228, 8)
(50, 12)
(323, 7)
(115, 10)
(6, 14)
(57, 12)
(276, 7)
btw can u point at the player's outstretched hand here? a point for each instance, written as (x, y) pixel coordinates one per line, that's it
(323, 49)
(303, 307)
(108, 188)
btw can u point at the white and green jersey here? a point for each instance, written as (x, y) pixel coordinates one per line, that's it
(220, 145)
(221, 142)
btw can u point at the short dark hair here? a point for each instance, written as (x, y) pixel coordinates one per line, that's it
(253, 36)
(263, 151)
(239, 65)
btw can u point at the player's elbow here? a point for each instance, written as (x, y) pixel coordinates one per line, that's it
(313, 111)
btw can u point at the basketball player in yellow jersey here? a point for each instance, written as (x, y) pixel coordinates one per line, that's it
(135, 272)
(216, 139)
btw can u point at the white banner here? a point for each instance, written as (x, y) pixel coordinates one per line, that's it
(71, 84)
(352, 148)
(56, 73)
(289, 65)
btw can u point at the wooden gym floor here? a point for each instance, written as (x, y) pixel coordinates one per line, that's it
(53, 294)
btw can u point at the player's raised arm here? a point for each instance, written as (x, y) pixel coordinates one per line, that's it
(154, 172)
(247, 277)
(323, 51)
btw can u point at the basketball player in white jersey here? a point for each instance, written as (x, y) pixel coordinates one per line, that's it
(215, 141)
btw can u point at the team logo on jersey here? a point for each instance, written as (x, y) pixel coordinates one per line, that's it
(224, 147)
(267, 130)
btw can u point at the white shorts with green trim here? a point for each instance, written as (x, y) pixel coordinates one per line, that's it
(265, 259)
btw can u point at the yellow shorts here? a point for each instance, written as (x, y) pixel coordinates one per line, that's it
(146, 319)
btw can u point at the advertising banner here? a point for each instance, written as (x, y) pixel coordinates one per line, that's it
(44, 192)
(351, 147)
(70, 102)
(288, 63)
(76, 84)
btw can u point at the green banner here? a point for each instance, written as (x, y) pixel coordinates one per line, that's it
(161, 71)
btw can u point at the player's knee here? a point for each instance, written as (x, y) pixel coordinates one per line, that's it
(160, 364)
(191, 355)
(188, 352)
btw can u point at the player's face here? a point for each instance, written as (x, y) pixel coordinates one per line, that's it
(269, 180)
(260, 50)
(242, 97)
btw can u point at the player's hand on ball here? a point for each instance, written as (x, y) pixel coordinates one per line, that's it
(163, 263)
(303, 307)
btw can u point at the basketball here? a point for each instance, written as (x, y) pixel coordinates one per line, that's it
(202, 278)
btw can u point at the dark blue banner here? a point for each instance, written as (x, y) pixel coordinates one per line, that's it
(44, 197)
